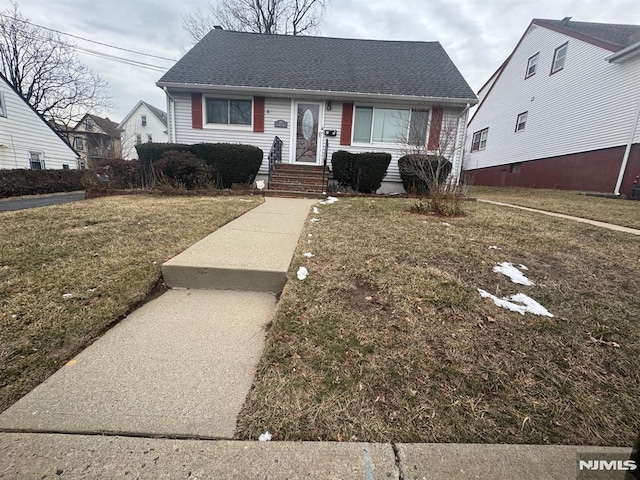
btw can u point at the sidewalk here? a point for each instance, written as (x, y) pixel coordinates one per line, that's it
(182, 364)
(596, 223)
(101, 457)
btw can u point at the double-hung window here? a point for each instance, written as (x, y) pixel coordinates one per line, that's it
(228, 111)
(3, 106)
(36, 160)
(389, 125)
(479, 140)
(521, 121)
(559, 56)
(143, 120)
(532, 66)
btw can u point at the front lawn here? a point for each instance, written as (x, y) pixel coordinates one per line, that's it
(388, 338)
(569, 202)
(68, 272)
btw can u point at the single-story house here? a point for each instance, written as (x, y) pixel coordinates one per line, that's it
(562, 111)
(319, 95)
(27, 140)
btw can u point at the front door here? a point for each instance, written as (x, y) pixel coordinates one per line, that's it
(307, 124)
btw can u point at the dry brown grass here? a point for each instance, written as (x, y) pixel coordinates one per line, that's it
(388, 339)
(106, 252)
(569, 202)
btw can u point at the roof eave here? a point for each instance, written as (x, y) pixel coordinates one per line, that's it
(624, 54)
(329, 94)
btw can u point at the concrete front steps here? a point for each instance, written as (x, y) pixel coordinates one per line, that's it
(252, 253)
(298, 180)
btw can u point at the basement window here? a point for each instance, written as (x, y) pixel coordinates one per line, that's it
(515, 167)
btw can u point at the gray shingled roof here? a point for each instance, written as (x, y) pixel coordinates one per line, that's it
(320, 64)
(162, 116)
(616, 34)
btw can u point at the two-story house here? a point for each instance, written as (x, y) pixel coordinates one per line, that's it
(96, 138)
(561, 111)
(144, 123)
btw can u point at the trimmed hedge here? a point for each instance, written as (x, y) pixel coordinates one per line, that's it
(35, 182)
(183, 170)
(231, 163)
(427, 166)
(360, 171)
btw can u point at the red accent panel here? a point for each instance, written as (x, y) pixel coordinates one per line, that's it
(347, 123)
(434, 128)
(595, 171)
(258, 114)
(196, 110)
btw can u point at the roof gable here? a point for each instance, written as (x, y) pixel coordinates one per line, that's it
(105, 124)
(58, 134)
(319, 64)
(159, 114)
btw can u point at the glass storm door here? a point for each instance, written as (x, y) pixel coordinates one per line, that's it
(308, 120)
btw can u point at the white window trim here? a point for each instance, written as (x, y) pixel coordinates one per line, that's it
(223, 126)
(429, 110)
(3, 106)
(535, 57)
(42, 162)
(526, 119)
(480, 147)
(143, 120)
(564, 46)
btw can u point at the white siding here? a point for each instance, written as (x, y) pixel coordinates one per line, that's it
(282, 109)
(133, 127)
(333, 121)
(588, 105)
(275, 109)
(23, 131)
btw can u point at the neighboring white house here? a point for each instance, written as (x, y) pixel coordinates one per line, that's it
(354, 95)
(26, 139)
(145, 123)
(561, 111)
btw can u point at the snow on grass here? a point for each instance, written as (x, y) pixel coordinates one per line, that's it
(513, 273)
(520, 303)
(329, 201)
(316, 211)
(308, 255)
(314, 220)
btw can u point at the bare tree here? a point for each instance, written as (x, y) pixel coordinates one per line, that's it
(288, 17)
(429, 161)
(45, 70)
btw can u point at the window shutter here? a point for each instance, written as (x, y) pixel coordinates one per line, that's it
(196, 110)
(347, 123)
(434, 128)
(258, 114)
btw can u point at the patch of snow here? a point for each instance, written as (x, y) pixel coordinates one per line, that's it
(308, 255)
(245, 200)
(310, 235)
(446, 224)
(91, 290)
(513, 273)
(302, 273)
(316, 211)
(314, 220)
(493, 247)
(329, 201)
(532, 306)
(523, 267)
(260, 184)
(520, 303)
(67, 295)
(264, 437)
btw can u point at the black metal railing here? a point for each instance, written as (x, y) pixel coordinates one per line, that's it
(275, 154)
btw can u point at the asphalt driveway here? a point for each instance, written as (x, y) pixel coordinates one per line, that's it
(21, 203)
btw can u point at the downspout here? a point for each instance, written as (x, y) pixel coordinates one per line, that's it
(464, 114)
(627, 150)
(172, 123)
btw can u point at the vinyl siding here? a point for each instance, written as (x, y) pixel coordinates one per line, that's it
(23, 131)
(133, 127)
(275, 109)
(589, 105)
(282, 109)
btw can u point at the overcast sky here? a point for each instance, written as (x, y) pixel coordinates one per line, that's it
(478, 35)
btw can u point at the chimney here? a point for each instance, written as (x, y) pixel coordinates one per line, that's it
(565, 21)
(217, 27)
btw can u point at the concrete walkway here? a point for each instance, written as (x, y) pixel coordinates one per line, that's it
(596, 223)
(182, 364)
